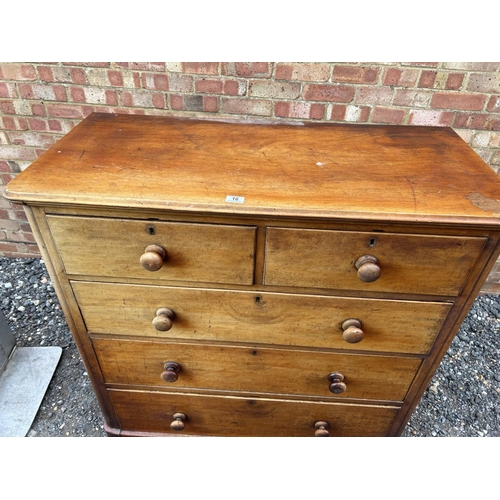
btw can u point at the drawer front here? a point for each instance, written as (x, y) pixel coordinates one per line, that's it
(255, 369)
(235, 416)
(414, 264)
(239, 316)
(194, 252)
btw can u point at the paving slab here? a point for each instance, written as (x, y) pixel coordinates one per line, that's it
(23, 385)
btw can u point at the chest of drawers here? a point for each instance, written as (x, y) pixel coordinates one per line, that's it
(232, 279)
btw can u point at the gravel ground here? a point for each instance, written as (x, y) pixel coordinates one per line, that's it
(463, 398)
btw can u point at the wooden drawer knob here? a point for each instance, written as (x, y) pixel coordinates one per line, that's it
(321, 429)
(153, 257)
(368, 268)
(336, 384)
(352, 331)
(164, 319)
(178, 422)
(170, 371)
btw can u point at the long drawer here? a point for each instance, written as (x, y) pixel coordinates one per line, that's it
(413, 264)
(193, 252)
(263, 370)
(240, 316)
(236, 416)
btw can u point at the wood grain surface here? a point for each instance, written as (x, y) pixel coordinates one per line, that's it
(318, 170)
(256, 369)
(233, 416)
(409, 263)
(260, 317)
(195, 252)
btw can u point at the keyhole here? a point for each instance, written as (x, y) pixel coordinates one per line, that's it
(373, 241)
(151, 230)
(257, 299)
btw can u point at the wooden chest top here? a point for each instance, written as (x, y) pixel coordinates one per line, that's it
(362, 172)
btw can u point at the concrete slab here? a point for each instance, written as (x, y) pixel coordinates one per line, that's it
(23, 385)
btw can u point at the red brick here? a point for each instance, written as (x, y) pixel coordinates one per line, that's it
(493, 122)
(154, 81)
(18, 215)
(317, 111)
(78, 76)
(304, 110)
(45, 73)
(38, 124)
(305, 72)
(18, 123)
(234, 87)
(111, 97)
(463, 101)
(176, 101)
(374, 95)
(258, 107)
(65, 111)
(115, 78)
(55, 125)
(201, 68)
(209, 86)
(427, 79)
(8, 90)
(400, 78)
(17, 71)
(461, 120)
(388, 115)
(412, 98)
(77, 94)
(494, 104)
(430, 118)
(142, 99)
(6, 178)
(19, 250)
(9, 123)
(158, 100)
(210, 104)
(38, 109)
(45, 92)
(7, 107)
(454, 81)
(338, 112)
(478, 120)
(328, 93)
(355, 74)
(247, 69)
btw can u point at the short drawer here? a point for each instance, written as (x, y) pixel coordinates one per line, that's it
(249, 369)
(413, 264)
(235, 416)
(259, 317)
(193, 252)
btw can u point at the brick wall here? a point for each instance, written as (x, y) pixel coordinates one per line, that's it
(40, 102)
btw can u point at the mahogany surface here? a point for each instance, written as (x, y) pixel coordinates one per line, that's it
(253, 279)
